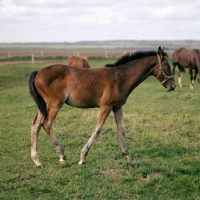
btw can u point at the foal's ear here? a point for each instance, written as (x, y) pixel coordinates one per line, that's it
(160, 51)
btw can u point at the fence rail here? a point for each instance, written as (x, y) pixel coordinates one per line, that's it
(45, 54)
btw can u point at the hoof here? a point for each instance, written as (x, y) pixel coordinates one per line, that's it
(128, 156)
(38, 166)
(81, 162)
(63, 162)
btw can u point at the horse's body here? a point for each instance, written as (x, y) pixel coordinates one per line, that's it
(186, 58)
(76, 61)
(107, 88)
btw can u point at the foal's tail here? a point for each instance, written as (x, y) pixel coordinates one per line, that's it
(41, 104)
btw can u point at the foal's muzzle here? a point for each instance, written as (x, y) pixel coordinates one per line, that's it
(166, 77)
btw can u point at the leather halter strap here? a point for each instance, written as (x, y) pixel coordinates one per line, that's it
(162, 72)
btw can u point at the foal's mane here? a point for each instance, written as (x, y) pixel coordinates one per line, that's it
(133, 56)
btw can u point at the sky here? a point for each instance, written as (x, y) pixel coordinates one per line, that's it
(86, 20)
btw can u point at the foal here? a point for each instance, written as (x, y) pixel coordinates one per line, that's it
(76, 61)
(107, 88)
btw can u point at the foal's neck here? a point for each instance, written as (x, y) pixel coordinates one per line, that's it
(139, 70)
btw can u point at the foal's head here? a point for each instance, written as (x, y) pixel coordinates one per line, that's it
(161, 67)
(162, 71)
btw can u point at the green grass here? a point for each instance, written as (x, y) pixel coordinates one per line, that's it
(162, 134)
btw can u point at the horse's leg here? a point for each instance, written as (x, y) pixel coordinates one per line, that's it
(179, 73)
(195, 73)
(101, 118)
(173, 68)
(191, 78)
(36, 126)
(179, 78)
(51, 115)
(121, 132)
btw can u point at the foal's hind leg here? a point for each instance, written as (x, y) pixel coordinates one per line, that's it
(103, 114)
(51, 114)
(36, 126)
(121, 132)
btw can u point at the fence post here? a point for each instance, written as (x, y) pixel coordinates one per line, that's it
(8, 54)
(32, 58)
(106, 54)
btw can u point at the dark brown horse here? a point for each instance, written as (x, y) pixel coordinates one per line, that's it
(76, 61)
(107, 88)
(186, 58)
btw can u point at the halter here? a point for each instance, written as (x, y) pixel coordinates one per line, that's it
(162, 72)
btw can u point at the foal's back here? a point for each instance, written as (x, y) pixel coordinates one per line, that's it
(76, 86)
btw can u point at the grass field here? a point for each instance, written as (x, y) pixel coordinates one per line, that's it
(162, 134)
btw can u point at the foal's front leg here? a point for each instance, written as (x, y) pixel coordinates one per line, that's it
(103, 114)
(121, 132)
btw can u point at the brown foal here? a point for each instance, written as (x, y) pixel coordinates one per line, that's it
(107, 88)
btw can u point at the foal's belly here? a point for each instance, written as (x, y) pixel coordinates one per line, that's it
(81, 102)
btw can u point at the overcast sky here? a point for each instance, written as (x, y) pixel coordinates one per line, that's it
(79, 20)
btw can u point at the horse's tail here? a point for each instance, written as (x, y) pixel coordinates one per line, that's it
(197, 59)
(41, 104)
(197, 62)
